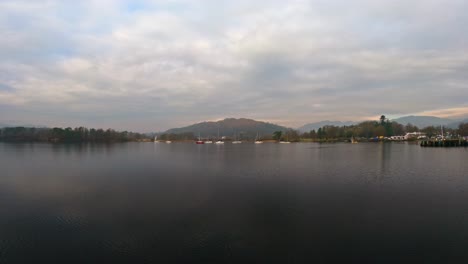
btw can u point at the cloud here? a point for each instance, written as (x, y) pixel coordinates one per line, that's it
(151, 65)
(457, 112)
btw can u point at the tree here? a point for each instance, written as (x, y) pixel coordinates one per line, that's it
(367, 128)
(349, 132)
(277, 135)
(292, 135)
(305, 135)
(397, 129)
(463, 129)
(382, 120)
(331, 131)
(320, 133)
(313, 134)
(411, 128)
(431, 131)
(379, 131)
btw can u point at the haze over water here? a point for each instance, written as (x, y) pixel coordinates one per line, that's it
(185, 203)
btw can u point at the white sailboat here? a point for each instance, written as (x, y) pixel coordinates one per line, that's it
(219, 141)
(257, 140)
(287, 140)
(156, 139)
(236, 141)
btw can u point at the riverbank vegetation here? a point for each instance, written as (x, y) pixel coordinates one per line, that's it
(376, 129)
(79, 134)
(363, 131)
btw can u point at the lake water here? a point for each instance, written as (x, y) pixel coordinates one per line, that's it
(186, 203)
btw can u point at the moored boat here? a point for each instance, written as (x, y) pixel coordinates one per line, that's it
(236, 140)
(287, 140)
(219, 141)
(199, 141)
(257, 140)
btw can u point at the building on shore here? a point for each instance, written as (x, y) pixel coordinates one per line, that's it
(397, 138)
(415, 135)
(409, 136)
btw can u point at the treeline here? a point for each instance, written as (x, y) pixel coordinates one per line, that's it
(290, 135)
(79, 134)
(381, 128)
(181, 136)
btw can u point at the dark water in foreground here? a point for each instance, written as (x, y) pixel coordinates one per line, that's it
(186, 203)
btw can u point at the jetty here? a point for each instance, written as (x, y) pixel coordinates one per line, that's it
(444, 143)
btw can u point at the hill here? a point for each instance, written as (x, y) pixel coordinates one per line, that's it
(18, 124)
(424, 121)
(245, 128)
(317, 125)
(455, 124)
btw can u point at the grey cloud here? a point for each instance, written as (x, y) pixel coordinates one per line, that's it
(165, 64)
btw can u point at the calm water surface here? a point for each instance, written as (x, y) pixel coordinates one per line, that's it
(186, 203)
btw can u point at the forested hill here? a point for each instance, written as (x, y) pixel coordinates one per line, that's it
(242, 127)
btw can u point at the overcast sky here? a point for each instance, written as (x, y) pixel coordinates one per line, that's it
(153, 65)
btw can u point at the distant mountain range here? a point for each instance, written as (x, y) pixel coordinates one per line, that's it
(456, 123)
(315, 126)
(424, 121)
(18, 124)
(243, 127)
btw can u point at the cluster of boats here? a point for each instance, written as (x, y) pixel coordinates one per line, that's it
(219, 141)
(157, 141)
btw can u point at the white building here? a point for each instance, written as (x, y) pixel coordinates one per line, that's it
(408, 136)
(414, 135)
